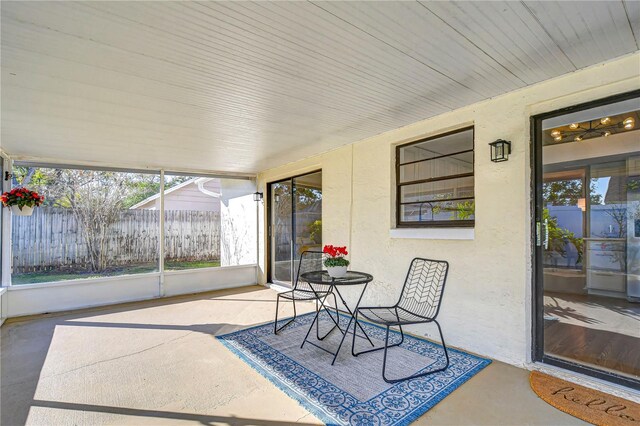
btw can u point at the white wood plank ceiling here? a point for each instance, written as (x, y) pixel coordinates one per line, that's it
(241, 87)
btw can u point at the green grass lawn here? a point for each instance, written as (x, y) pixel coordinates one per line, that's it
(51, 276)
(177, 266)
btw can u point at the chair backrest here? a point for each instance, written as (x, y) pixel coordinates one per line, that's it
(310, 260)
(423, 287)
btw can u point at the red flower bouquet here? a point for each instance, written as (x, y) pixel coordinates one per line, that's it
(335, 256)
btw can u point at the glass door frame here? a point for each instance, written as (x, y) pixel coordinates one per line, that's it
(537, 244)
(270, 278)
(5, 235)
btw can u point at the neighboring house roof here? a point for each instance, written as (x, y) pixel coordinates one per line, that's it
(199, 181)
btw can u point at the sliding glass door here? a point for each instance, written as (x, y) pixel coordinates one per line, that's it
(295, 223)
(281, 231)
(588, 238)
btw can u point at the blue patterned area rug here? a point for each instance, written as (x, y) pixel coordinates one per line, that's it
(352, 391)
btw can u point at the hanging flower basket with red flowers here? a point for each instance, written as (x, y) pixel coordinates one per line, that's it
(21, 201)
(335, 261)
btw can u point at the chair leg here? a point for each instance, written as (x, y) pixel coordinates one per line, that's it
(317, 322)
(425, 373)
(353, 345)
(275, 323)
(276, 329)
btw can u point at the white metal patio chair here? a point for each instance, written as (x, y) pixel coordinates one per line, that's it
(309, 261)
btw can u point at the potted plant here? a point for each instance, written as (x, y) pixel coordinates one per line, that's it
(335, 261)
(22, 201)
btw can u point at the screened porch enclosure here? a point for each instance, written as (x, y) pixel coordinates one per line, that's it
(189, 152)
(104, 223)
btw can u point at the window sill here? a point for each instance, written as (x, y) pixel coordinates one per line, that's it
(433, 233)
(208, 269)
(101, 280)
(82, 281)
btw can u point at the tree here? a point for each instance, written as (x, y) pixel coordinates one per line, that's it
(315, 231)
(558, 238)
(562, 192)
(618, 213)
(567, 192)
(464, 210)
(96, 199)
(145, 186)
(234, 243)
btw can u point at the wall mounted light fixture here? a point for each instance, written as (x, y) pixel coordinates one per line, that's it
(257, 196)
(500, 150)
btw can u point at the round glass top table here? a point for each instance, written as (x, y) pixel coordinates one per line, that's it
(323, 279)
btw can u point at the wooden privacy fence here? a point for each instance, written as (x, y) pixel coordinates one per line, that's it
(51, 239)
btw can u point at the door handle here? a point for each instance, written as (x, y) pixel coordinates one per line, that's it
(292, 264)
(542, 234)
(546, 234)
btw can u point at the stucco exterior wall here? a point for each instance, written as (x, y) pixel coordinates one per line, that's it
(487, 303)
(237, 223)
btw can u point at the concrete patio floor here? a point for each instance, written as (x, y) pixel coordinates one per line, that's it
(157, 362)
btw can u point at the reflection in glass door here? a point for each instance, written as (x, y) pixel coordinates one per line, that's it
(588, 239)
(295, 207)
(281, 230)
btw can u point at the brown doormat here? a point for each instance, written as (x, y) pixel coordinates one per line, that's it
(587, 404)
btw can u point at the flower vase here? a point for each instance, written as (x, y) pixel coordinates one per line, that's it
(337, 271)
(26, 210)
